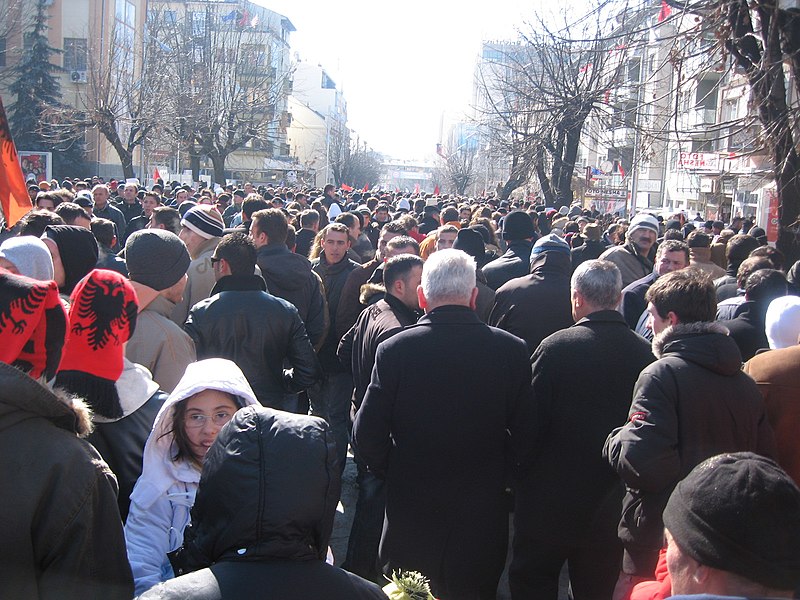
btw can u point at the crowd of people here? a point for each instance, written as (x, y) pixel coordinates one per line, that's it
(183, 373)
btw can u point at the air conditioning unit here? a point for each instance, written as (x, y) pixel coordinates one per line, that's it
(78, 77)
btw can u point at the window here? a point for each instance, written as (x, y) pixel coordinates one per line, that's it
(197, 21)
(634, 66)
(2, 51)
(75, 53)
(327, 82)
(124, 37)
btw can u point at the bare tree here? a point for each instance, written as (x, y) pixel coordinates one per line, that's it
(550, 83)
(763, 39)
(459, 167)
(230, 88)
(351, 162)
(125, 95)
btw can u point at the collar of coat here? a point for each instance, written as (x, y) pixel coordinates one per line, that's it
(603, 316)
(679, 330)
(240, 283)
(450, 313)
(400, 308)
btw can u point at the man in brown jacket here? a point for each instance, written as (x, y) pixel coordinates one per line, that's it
(777, 374)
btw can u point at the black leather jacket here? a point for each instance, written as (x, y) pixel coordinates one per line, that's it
(257, 331)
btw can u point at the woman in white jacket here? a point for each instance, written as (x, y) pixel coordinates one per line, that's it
(206, 398)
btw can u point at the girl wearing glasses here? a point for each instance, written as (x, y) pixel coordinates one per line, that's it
(206, 398)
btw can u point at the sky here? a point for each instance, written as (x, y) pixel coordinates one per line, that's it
(400, 65)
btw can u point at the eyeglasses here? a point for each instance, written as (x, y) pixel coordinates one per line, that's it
(199, 420)
(215, 260)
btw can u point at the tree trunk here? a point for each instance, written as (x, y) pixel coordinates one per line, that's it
(787, 179)
(544, 181)
(218, 161)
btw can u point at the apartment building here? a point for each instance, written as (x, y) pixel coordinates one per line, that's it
(88, 32)
(318, 123)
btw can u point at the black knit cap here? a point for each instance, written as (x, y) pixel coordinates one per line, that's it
(471, 242)
(517, 225)
(739, 513)
(78, 250)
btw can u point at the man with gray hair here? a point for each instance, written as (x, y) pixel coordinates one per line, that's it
(568, 502)
(434, 423)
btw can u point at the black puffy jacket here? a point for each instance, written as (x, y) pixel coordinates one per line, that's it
(693, 403)
(263, 516)
(257, 331)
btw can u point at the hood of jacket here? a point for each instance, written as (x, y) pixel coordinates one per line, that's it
(287, 269)
(371, 292)
(159, 471)
(705, 344)
(269, 490)
(135, 387)
(552, 262)
(25, 398)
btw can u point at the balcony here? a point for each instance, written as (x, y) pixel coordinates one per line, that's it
(704, 116)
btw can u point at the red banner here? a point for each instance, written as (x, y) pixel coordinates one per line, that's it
(13, 191)
(774, 219)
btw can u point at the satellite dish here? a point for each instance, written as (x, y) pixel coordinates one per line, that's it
(606, 166)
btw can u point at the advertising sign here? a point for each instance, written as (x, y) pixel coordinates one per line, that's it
(36, 165)
(699, 161)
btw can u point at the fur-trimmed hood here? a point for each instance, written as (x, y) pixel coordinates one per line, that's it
(370, 293)
(703, 343)
(24, 398)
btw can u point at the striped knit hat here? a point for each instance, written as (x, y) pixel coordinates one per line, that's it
(204, 220)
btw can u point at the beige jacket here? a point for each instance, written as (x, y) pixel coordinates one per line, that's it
(201, 281)
(158, 343)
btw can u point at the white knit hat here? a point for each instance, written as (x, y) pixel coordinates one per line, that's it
(782, 323)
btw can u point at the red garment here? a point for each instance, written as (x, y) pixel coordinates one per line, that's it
(654, 590)
(417, 236)
(102, 318)
(33, 324)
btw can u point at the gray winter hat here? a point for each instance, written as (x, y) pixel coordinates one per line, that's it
(156, 258)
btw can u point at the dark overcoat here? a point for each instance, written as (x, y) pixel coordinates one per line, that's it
(434, 423)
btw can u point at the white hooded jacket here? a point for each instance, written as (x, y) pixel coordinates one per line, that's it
(164, 494)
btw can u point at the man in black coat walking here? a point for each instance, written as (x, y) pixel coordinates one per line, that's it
(519, 233)
(435, 423)
(592, 248)
(568, 502)
(377, 323)
(534, 306)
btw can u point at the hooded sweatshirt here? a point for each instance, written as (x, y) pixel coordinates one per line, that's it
(164, 494)
(264, 515)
